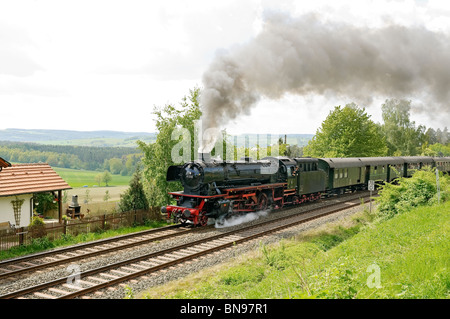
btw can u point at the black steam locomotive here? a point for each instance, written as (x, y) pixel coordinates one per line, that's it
(218, 189)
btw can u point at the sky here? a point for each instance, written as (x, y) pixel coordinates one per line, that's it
(104, 65)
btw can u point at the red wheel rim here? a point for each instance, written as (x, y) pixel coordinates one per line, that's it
(262, 201)
(203, 219)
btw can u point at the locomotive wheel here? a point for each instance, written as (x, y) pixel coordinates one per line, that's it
(262, 201)
(203, 219)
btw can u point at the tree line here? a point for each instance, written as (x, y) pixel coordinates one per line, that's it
(116, 160)
(349, 132)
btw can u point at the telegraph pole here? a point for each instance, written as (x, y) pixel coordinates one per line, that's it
(438, 186)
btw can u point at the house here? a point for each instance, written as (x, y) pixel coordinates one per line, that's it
(18, 183)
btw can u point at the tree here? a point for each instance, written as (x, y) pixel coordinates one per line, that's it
(442, 137)
(106, 197)
(294, 151)
(115, 165)
(347, 132)
(402, 137)
(87, 196)
(157, 156)
(431, 136)
(134, 197)
(106, 177)
(282, 147)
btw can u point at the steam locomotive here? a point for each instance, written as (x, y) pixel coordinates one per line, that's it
(219, 189)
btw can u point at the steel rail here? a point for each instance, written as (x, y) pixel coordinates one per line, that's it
(87, 254)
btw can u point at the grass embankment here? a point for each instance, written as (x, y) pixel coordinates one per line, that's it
(42, 244)
(406, 256)
(80, 178)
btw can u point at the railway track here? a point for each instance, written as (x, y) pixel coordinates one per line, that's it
(93, 280)
(17, 266)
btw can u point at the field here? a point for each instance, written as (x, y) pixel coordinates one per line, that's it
(83, 184)
(96, 194)
(403, 257)
(81, 178)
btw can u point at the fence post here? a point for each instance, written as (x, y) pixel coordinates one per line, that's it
(65, 227)
(104, 222)
(21, 237)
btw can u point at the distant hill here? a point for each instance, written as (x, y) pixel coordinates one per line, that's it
(123, 139)
(80, 138)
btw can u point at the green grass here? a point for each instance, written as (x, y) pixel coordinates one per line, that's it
(410, 252)
(42, 244)
(79, 178)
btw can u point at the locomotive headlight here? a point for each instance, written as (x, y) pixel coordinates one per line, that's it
(163, 209)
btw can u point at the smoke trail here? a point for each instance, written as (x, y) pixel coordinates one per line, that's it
(306, 56)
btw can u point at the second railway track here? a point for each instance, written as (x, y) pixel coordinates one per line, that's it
(96, 279)
(17, 266)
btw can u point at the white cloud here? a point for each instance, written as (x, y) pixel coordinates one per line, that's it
(104, 64)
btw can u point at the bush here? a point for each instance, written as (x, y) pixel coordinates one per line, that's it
(418, 190)
(134, 197)
(37, 227)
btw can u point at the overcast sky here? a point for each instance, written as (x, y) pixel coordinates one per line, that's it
(103, 65)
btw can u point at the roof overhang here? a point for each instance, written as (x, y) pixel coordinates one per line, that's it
(20, 179)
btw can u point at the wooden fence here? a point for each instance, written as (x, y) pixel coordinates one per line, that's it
(24, 236)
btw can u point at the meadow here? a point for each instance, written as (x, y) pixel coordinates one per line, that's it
(81, 178)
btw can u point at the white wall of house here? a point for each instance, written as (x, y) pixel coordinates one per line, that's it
(7, 211)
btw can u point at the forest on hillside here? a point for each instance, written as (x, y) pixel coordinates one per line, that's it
(117, 160)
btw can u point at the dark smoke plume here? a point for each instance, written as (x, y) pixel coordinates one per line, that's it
(305, 56)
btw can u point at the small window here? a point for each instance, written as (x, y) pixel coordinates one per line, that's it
(336, 174)
(346, 173)
(341, 173)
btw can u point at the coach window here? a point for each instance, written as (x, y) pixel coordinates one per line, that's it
(336, 174)
(346, 173)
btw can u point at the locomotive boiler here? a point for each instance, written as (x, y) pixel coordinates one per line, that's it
(211, 177)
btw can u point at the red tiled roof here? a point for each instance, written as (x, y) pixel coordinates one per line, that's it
(30, 178)
(4, 163)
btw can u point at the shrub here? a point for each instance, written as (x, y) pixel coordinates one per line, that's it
(420, 189)
(37, 227)
(134, 197)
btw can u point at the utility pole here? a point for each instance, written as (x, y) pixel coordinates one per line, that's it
(438, 186)
(371, 187)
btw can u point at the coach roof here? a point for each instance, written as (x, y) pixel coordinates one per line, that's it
(418, 159)
(342, 162)
(362, 161)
